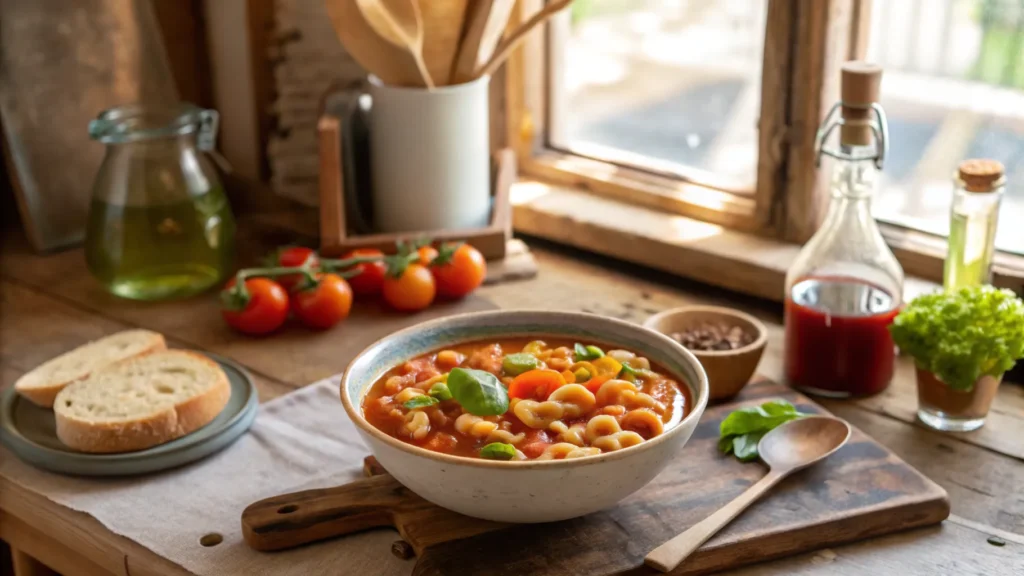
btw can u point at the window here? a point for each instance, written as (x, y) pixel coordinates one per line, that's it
(671, 87)
(705, 112)
(953, 89)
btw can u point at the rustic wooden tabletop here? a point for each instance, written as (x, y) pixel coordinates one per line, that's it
(49, 304)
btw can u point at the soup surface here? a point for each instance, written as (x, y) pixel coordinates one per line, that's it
(517, 399)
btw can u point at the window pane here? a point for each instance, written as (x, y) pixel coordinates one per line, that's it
(670, 85)
(953, 89)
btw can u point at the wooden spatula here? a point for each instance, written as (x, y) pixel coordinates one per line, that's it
(393, 65)
(442, 28)
(400, 23)
(485, 24)
(513, 41)
(378, 56)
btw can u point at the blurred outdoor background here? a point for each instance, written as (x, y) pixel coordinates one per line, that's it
(665, 83)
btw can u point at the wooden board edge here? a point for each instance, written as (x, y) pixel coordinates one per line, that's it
(917, 513)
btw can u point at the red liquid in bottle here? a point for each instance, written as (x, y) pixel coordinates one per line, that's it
(837, 338)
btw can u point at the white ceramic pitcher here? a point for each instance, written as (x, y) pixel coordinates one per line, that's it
(430, 157)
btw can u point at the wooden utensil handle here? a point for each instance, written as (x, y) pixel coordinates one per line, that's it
(519, 35)
(666, 557)
(299, 518)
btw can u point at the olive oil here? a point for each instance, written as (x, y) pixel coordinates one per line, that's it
(971, 246)
(973, 217)
(161, 251)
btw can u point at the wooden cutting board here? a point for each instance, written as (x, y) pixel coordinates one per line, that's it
(861, 491)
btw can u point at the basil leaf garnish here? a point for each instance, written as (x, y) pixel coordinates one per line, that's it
(480, 393)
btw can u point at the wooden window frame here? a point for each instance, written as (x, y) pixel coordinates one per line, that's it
(806, 43)
(797, 87)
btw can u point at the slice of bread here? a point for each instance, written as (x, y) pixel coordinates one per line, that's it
(42, 384)
(142, 402)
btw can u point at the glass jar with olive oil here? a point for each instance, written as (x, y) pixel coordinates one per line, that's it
(159, 225)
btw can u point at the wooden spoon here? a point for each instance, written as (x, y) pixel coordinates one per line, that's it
(513, 41)
(400, 23)
(442, 28)
(485, 23)
(377, 56)
(786, 449)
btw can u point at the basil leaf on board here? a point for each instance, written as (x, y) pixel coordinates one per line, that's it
(778, 407)
(498, 451)
(742, 429)
(419, 402)
(745, 446)
(440, 391)
(755, 419)
(725, 444)
(480, 393)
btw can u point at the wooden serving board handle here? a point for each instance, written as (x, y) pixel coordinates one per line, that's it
(291, 520)
(378, 501)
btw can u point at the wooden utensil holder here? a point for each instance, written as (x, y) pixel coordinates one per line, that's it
(337, 236)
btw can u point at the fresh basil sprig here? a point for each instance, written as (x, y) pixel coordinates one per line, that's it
(742, 429)
(480, 393)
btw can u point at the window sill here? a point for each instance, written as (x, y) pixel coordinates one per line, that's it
(696, 250)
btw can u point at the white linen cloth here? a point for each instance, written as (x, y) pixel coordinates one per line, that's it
(298, 441)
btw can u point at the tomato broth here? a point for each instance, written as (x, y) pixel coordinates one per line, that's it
(522, 399)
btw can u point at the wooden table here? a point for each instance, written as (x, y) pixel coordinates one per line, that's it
(50, 304)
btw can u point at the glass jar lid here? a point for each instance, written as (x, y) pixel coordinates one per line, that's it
(138, 122)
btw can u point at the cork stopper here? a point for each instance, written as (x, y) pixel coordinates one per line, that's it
(859, 89)
(981, 175)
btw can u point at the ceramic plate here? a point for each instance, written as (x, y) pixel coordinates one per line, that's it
(29, 431)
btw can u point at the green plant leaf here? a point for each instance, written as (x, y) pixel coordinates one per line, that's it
(742, 429)
(963, 335)
(419, 402)
(745, 446)
(725, 444)
(480, 393)
(754, 419)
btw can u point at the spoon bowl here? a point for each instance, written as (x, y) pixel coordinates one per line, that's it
(799, 443)
(400, 23)
(791, 446)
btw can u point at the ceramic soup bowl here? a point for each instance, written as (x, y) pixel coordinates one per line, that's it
(511, 491)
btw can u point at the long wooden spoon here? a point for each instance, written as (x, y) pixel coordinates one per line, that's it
(513, 41)
(399, 22)
(790, 447)
(485, 23)
(442, 29)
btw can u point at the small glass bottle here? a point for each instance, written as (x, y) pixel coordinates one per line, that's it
(973, 217)
(845, 287)
(159, 223)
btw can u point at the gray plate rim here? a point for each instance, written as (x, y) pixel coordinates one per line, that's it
(204, 441)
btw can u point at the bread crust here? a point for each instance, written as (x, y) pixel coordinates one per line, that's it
(45, 395)
(157, 428)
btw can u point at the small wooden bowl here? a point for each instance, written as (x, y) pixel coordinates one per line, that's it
(728, 370)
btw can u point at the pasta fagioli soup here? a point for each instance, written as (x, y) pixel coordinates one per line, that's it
(521, 399)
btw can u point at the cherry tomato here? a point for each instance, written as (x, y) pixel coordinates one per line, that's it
(266, 310)
(535, 384)
(324, 305)
(295, 256)
(427, 254)
(462, 274)
(413, 290)
(371, 274)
